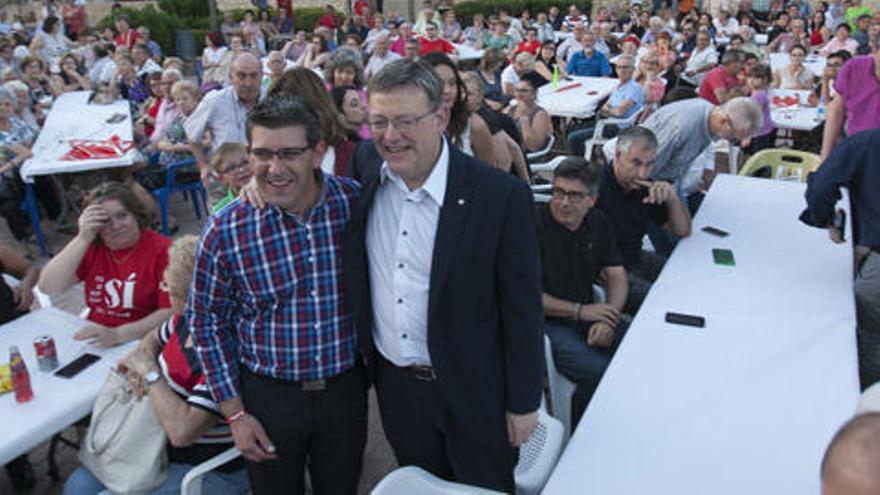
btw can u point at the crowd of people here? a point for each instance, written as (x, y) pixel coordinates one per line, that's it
(358, 235)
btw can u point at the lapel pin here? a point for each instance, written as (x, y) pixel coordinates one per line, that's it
(460, 201)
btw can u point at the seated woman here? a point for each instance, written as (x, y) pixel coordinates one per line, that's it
(546, 62)
(316, 54)
(795, 75)
(652, 82)
(335, 128)
(345, 67)
(120, 261)
(164, 367)
(348, 101)
(231, 167)
(72, 76)
(216, 60)
(533, 122)
(509, 156)
(15, 141)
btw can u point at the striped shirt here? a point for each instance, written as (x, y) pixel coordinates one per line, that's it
(267, 292)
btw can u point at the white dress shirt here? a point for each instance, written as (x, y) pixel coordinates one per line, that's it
(400, 245)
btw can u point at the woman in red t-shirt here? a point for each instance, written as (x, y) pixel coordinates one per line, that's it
(120, 263)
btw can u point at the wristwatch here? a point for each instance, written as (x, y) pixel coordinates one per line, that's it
(151, 378)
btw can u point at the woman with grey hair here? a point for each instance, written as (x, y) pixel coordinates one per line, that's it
(345, 67)
(23, 109)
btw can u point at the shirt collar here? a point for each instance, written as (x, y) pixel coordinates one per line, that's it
(434, 185)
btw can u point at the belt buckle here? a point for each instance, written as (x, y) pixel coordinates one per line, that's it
(423, 373)
(314, 385)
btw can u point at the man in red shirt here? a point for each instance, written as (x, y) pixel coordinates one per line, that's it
(330, 19)
(125, 35)
(723, 82)
(432, 42)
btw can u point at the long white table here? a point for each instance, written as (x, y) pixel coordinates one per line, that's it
(748, 404)
(57, 402)
(72, 117)
(578, 101)
(800, 117)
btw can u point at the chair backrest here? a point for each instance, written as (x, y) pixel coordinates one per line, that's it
(783, 164)
(192, 482)
(411, 479)
(538, 456)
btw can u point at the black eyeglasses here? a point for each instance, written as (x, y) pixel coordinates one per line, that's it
(573, 196)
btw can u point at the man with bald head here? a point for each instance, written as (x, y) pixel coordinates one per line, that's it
(223, 111)
(381, 57)
(852, 462)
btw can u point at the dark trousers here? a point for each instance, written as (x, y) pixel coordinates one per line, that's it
(325, 430)
(416, 424)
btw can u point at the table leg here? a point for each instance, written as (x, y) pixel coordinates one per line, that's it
(30, 204)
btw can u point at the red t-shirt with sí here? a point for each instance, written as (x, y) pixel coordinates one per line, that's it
(125, 285)
(427, 46)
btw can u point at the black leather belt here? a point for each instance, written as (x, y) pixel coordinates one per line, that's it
(421, 372)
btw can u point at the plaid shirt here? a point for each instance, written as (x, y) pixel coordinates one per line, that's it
(267, 292)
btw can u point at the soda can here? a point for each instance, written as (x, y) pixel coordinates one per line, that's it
(47, 356)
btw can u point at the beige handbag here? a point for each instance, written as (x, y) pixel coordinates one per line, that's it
(125, 444)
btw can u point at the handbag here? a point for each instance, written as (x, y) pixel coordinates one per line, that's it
(125, 444)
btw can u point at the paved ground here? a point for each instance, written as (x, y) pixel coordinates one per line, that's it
(378, 459)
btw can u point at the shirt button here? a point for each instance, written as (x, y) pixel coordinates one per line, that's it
(403, 336)
(317, 326)
(404, 233)
(318, 358)
(400, 265)
(399, 301)
(314, 293)
(311, 259)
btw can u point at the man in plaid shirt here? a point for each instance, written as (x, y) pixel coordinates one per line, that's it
(269, 323)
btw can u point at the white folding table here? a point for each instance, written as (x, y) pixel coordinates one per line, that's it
(57, 402)
(748, 404)
(799, 117)
(575, 97)
(73, 117)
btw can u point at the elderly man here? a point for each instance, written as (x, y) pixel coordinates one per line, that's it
(381, 57)
(155, 49)
(223, 113)
(144, 64)
(523, 63)
(589, 61)
(578, 246)
(632, 202)
(851, 465)
(625, 101)
(268, 319)
(571, 45)
(853, 165)
(796, 35)
(441, 263)
(857, 101)
(723, 83)
(276, 63)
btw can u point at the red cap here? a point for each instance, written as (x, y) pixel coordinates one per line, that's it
(633, 39)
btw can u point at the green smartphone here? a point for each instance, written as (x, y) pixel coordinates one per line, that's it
(723, 257)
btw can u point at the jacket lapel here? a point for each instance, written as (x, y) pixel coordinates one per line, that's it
(456, 205)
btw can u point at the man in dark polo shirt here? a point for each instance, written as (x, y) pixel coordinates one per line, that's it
(631, 201)
(577, 244)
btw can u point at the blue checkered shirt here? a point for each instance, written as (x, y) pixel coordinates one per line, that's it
(268, 292)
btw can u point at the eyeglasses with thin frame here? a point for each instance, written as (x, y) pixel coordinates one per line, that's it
(559, 194)
(285, 155)
(235, 167)
(402, 124)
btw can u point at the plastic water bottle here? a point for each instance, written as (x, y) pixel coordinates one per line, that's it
(21, 380)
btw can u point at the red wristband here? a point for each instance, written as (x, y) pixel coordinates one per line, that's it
(235, 417)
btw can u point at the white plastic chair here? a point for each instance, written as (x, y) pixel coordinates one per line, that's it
(598, 133)
(561, 388)
(541, 152)
(547, 166)
(192, 482)
(538, 456)
(415, 480)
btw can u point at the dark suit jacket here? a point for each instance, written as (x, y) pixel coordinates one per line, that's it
(484, 303)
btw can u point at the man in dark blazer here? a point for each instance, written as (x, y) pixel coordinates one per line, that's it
(442, 269)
